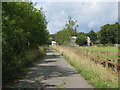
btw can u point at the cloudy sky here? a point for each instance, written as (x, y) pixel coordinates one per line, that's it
(89, 15)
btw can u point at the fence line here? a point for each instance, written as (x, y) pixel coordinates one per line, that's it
(97, 56)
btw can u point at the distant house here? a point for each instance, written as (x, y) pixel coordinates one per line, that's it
(117, 45)
(53, 43)
(72, 41)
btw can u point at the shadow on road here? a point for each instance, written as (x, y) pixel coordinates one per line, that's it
(44, 70)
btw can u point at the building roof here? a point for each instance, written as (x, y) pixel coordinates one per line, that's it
(73, 37)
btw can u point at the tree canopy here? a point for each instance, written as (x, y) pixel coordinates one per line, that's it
(109, 34)
(92, 35)
(81, 39)
(23, 27)
(70, 29)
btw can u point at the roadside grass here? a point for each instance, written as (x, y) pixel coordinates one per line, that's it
(33, 54)
(95, 74)
(30, 58)
(109, 49)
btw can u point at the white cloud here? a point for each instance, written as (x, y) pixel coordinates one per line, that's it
(55, 26)
(91, 24)
(74, 0)
(90, 15)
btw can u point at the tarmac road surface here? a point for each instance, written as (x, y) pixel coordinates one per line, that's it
(53, 72)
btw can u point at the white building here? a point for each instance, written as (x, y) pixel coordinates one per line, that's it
(53, 43)
(72, 41)
(117, 45)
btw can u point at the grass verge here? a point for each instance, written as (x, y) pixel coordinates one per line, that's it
(95, 74)
(30, 58)
(32, 55)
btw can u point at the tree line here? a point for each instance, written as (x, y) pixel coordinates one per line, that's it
(23, 27)
(108, 34)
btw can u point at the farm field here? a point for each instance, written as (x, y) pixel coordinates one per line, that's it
(109, 49)
(103, 49)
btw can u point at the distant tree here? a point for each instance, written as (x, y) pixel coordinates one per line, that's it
(117, 33)
(109, 34)
(93, 36)
(52, 36)
(81, 33)
(60, 37)
(103, 34)
(113, 33)
(71, 24)
(81, 40)
(70, 29)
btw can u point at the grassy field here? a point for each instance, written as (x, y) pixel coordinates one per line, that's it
(109, 49)
(95, 74)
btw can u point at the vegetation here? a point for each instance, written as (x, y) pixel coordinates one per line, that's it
(23, 31)
(93, 36)
(24, 35)
(108, 34)
(63, 37)
(109, 49)
(95, 73)
(81, 39)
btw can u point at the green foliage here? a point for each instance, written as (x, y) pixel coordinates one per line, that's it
(93, 36)
(23, 28)
(81, 39)
(94, 73)
(52, 37)
(71, 24)
(109, 34)
(62, 37)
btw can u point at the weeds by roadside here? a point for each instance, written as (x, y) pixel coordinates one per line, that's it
(29, 59)
(95, 73)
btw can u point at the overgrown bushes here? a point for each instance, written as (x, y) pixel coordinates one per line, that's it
(23, 31)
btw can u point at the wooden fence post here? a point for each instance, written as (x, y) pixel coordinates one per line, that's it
(81, 52)
(99, 53)
(107, 61)
(86, 53)
(116, 66)
(94, 55)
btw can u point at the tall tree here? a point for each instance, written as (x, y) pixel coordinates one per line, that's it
(70, 29)
(71, 24)
(23, 27)
(93, 36)
(109, 34)
(81, 39)
(103, 34)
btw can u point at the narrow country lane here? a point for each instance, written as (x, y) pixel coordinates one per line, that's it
(53, 72)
